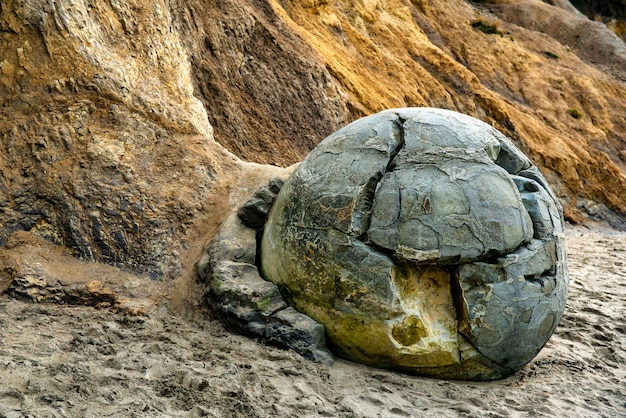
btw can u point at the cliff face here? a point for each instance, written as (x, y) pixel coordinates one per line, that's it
(547, 78)
(265, 89)
(105, 149)
(118, 119)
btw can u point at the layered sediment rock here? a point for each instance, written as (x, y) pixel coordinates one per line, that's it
(105, 149)
(244, 300)
(109, 111)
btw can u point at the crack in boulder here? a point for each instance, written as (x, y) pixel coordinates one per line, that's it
(361, 214)
(424, 241)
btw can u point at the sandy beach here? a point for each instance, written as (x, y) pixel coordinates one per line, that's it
(72, 361)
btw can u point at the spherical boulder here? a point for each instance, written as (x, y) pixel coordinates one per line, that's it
(424, 241)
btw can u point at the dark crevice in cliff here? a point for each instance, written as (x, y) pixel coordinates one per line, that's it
(611, 9)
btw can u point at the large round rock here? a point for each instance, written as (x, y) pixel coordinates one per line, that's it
(423, 240)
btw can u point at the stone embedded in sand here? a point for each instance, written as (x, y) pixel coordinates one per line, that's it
(241, 297)
(423, 240)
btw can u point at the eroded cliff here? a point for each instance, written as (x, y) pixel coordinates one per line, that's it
(549, 79)
(118, 119)
(105, 149)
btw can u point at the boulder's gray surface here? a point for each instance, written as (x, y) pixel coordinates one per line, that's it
(423, 240)
(241, 297)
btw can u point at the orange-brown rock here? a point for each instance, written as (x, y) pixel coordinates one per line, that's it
(38, 271)
(117, 118)
(563, 103)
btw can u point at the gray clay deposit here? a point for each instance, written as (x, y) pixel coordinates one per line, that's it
(422, 240)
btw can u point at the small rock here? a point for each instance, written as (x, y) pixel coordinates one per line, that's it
(242, 298)
(254, 212)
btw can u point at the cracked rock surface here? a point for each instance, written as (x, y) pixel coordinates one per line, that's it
(423, 240)
(242, 299)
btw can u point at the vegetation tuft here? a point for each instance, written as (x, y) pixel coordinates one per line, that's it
(552, 55)
(489, 28)
(575, 113)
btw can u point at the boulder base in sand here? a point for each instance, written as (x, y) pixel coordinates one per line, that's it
(423, 240)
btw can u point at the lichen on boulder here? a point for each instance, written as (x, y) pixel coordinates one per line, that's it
(424, 241)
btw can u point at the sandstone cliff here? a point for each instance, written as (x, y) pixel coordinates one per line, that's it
(549, 79)
(123, 125)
